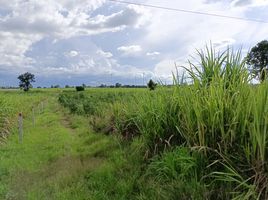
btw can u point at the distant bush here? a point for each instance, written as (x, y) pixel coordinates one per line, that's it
(151, 85)
(79, 88)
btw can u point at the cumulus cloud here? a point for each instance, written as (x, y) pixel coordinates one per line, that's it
(249, 3)
(241, 2)
(155, 53)
(130, 50)
(13, 48)
(23, 23)
(180, 34)
(71, 54)
(163, 71)
(27, 29)
(54, 19)
(223, 43)
(105, 54)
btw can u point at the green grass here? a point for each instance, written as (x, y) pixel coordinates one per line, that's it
(45, 164)
(207, 140)
(220, 117)
(61, 158)
(13, 102)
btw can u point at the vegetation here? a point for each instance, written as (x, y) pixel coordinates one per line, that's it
(207, 140)
(258, 60)
(25, 81)
(151, 85)
(79, 88)
(12, 103)
(217, 126)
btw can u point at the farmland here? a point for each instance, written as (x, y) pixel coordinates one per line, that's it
(133, 100)
(207, 140)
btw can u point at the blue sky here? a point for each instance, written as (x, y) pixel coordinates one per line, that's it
(101, 42)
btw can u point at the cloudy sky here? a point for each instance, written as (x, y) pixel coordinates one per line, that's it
(102, 42)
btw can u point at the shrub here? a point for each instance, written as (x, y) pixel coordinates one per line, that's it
(79, 88)
(151, 85)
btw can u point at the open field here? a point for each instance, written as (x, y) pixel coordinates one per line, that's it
(133, 100)
(207, 140)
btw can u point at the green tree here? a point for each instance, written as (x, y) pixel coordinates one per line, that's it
(79, 88)
(151, 84)
(118, 85)
(257, 59)
(25, 81)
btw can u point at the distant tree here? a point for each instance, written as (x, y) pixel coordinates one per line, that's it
(79, 88)
(55, 86)
(25, 81)
(102, 86)
(257, 59)
(151, 84)
(67, 86)
(118, 85)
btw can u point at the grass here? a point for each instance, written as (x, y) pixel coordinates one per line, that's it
(207, 140)
(220, 117)
(45, 165)
(12, 103)
(61, 158)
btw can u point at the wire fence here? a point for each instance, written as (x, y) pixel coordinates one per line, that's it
(7, 123)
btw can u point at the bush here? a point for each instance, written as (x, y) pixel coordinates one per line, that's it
(151, 85)
(79, 88)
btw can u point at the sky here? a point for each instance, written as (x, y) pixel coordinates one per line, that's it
(95, 42)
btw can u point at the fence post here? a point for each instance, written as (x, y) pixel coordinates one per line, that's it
(33, 117)
(39, 108)
(42, 103)
(20, 121)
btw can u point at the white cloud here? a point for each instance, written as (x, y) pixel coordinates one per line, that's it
(155, 53)
(223, 43)
(180, 34)
(144, 13)
(13, 48)
(249, 3)
(175, 34)
(27, 22)
(105, 54)
(61, 21)
(130, 50)
(71, 54)
(167, 67)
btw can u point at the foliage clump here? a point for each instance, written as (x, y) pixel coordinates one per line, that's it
(151, 85)
(257, 59)
(79, 88)
(25, 81)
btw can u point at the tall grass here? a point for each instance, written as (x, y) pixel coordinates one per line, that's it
(221, 117)
(12, 103)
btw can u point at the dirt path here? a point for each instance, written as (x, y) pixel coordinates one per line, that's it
(55, 154)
